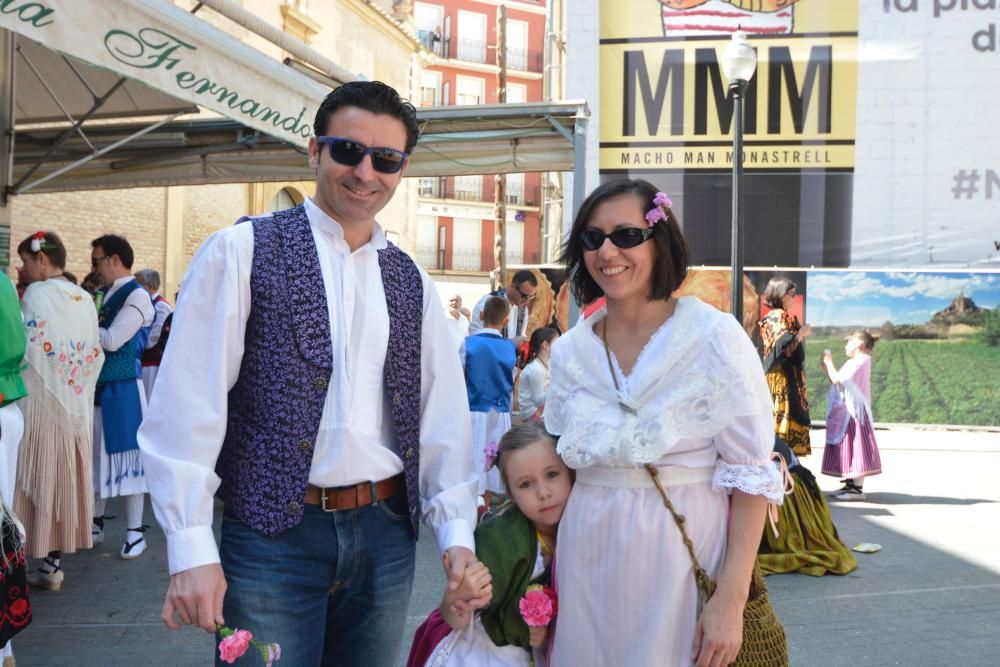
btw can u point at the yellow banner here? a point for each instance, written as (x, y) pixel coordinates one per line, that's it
(717, 157)
(665, 100)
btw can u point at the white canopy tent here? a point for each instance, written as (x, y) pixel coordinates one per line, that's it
(100, 95)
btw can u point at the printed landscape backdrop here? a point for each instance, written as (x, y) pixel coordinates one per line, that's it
(938, 361)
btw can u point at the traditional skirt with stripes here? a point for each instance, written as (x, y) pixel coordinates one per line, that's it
(857, 454)
(807, 540)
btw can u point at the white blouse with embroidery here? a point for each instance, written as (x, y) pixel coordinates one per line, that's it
(696, 397)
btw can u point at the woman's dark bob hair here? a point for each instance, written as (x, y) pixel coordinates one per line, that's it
(775, 291)
(672, 257)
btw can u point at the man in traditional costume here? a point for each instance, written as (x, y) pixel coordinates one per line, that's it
(126, 312)
(311, 382)
(519, 294)
(149, 279)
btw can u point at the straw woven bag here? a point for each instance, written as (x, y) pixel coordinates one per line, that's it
(764, 642)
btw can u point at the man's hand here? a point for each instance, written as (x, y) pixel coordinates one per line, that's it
(195, 598)
(456, 560)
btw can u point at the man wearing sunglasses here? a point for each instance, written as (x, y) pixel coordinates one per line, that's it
(311, 381)
(519, 294)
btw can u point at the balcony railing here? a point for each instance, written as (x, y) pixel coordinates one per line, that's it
(472, 50)
(524, 196)
(468, 259)
(432, 40)
(521, 196)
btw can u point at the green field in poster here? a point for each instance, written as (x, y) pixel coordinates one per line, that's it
(919, 381)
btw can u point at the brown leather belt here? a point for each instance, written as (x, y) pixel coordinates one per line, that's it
(354, 496)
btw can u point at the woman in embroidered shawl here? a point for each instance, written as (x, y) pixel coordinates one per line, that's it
(673, 383)
(54, 495)
(784, 354)
(515, 549)
(851, 452)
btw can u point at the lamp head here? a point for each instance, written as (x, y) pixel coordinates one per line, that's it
(739, 60)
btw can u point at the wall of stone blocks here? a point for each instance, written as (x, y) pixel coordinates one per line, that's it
(138, 214)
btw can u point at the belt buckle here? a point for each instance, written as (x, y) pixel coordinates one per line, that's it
(322, 501)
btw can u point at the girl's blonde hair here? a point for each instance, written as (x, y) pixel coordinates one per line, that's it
(519, 437)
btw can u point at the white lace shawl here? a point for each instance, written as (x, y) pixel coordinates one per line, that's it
(698, 392)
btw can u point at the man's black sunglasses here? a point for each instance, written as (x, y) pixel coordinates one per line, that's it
(626, 237)
(350, 153)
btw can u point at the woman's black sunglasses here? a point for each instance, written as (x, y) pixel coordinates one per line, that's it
(626, 237)
(350, 153)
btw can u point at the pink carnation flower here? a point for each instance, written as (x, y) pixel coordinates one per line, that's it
(661, 199)
(654, 215)
(536, 608)
(232, 647)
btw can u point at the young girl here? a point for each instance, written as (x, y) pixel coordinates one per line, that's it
(533, 382)
(515, 550)
(851, 451)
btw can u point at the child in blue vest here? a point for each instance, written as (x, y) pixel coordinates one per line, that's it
(489, 360)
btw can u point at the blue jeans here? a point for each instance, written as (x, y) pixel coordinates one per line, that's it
(333, 590)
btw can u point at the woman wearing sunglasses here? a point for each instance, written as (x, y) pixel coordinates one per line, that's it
(653, 384)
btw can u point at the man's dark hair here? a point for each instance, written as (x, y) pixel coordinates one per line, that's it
(373, 96)
(52, 246)
(495, 310)
(776, 290)
(112, 244)
(672, 256)
(524, 276)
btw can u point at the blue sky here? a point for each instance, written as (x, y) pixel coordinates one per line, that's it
(869, 298)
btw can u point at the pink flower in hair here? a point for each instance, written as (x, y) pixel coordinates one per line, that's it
(662, 199)
(654, 215)
(492, 450)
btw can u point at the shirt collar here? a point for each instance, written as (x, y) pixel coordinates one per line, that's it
(319, 219)
(489, 331)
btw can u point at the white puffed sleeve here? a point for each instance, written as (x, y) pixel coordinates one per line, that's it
(745, 443)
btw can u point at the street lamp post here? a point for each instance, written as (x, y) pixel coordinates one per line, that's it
(739, 61)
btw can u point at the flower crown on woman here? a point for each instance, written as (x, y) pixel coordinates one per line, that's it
(661, 209)
(38, 242)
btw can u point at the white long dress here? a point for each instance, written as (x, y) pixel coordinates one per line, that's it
(702, 412)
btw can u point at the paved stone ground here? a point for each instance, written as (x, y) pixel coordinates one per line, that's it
(931, 596)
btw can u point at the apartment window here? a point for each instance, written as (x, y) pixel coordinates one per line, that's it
(465, 252)
(429, 20)
(515, 189)
(470, 90)
(516, 93)
(469, 188)
(430, 83)
(472, 36)
(517, 45)
(428, 187)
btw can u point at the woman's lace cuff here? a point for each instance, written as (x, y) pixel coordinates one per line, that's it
(762, 479)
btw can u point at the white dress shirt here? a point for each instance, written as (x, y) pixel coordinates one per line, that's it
(511, 330)
(135, 313)
(183, 432)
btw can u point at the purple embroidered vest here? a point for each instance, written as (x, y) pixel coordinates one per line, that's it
(277, 401)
